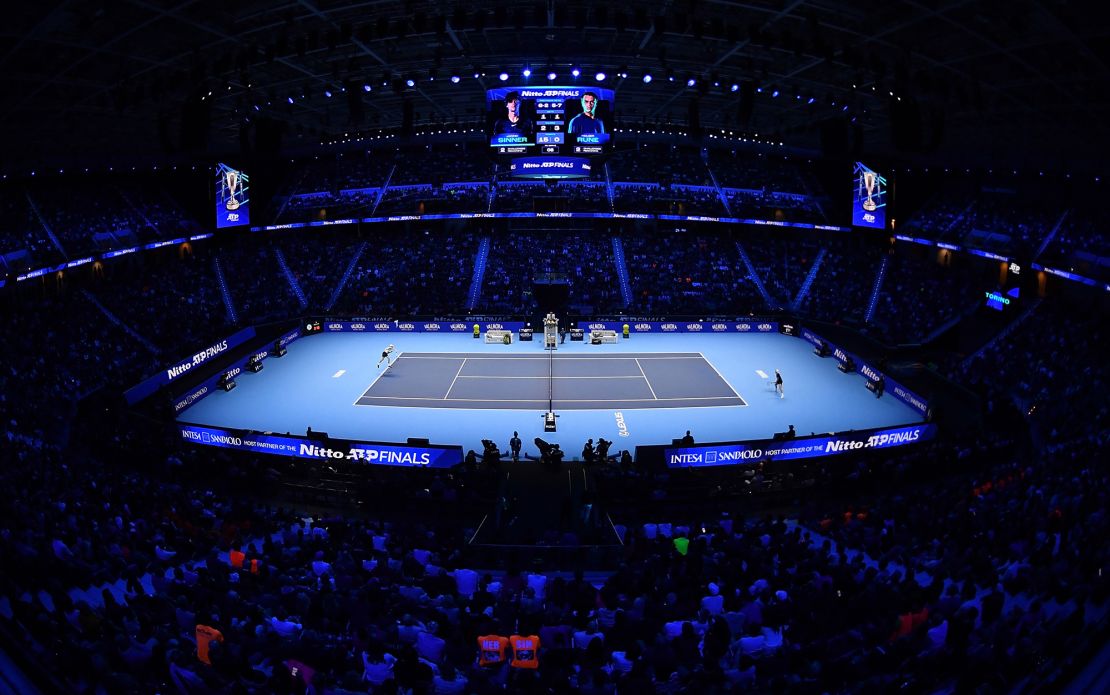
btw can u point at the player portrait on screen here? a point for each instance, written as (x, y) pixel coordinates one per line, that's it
(514, 122)
(587, 122)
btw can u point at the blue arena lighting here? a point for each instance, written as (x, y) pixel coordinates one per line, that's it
(810, 100)
(327, 93)
(735, 87)
(290, 99)
(575, 72)
(410, 83)
(775, 94)
(454, 79)
(503, 76)
(551, 76)
(647, 79)
(691, 82)
(366, 87)
(600, 77)
(527, 72)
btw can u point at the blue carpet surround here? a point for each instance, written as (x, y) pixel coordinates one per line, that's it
(452, 389)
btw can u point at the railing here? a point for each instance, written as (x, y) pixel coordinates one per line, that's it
(296, 286)
(347, 273)
(1051, 235)
(754, 276)
(46, 227)
(810, 277)
(876, 289)
(480, 261)
(381, 191)
(229, 305)
(622, 271)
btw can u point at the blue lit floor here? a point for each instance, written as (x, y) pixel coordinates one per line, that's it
(323, 378)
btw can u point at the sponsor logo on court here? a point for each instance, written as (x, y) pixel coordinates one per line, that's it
(381, 327)
(645, 327)
(210, 438)
(743, 327)
(202, 356)
(358, 326)
(622, 428)
(335, 326)
(669, 327)
(262, 355)
(431, 327)
(870, 373)
(597, 326)
(406, 327)
(289, 337)
(764, 327)
(458, 327)
(840, 355)
(910, 398)
(190, 399)
(693, 327)
(719, 327)
(496, 327)
(232, 373)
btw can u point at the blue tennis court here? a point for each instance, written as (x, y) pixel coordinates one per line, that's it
(452, 389)
(571, 382)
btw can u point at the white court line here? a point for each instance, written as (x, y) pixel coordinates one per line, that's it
(734, 391)
(455, 379)
(557, 400)
(762, 374)
(482, 376)
(381, 372)
(338, 374)
(558, 357)
(544, 406)
(646, 379)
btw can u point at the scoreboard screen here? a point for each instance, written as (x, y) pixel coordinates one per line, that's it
(1006, 296)
(552, 121)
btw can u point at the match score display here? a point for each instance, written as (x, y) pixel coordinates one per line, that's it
(550, 120)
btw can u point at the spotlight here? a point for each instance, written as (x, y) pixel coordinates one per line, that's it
(527, 72)
(600, 77)
(366, 87)
(691, 82)
(550, 75)
(810, 100)
(410, 83)
(327, 93)
(289, 99)
(503, 76)
(454, 79)
(775, 94)
(734, 88)
(647, 79)
(575, 72)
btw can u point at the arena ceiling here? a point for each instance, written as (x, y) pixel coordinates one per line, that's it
(930, 75)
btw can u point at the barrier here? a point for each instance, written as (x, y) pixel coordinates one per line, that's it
(736, 453)
(372, 453)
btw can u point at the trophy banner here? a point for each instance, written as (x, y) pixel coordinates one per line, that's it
(868, 198)
(232, 197)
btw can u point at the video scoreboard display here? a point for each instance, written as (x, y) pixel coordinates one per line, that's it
(550, 121)
(1005, 297)
(868, 197)
(232, 197)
